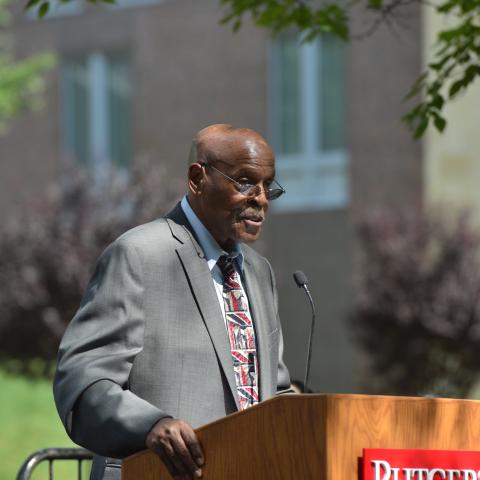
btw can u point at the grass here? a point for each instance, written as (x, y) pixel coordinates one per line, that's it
(29, 422)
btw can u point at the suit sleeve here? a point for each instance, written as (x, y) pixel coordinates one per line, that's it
(96, 356)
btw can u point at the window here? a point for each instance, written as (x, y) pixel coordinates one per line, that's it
(307, 122)
(96, 116)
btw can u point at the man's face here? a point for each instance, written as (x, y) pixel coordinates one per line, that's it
(229, 215)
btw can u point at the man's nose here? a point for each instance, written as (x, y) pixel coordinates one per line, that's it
(260, 197)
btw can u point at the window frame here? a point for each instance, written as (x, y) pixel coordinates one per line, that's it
(99, 153)
(314, 179)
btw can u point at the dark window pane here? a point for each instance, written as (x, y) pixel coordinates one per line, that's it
(332, 93)
(114, 114)
(286, 106)
(119, 114)
(75, 112)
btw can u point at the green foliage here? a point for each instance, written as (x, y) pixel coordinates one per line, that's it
(21, 82)
(455, 67)
(48, 251)
(279, 15)
(29, 423)
(457, 52)
(417, 313)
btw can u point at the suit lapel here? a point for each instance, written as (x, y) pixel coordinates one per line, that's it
(196, 269)
(259, 315)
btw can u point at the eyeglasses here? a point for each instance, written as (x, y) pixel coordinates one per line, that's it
(251, 190)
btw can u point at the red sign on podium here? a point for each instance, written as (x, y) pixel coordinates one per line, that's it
(407, 464)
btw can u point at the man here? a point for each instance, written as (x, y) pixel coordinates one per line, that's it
(179, 324)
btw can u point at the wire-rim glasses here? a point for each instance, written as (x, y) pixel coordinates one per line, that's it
(251, 190)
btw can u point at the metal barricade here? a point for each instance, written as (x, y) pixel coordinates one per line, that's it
(50, 455)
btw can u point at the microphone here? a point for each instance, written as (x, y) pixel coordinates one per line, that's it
(302, 282)
(300, 279)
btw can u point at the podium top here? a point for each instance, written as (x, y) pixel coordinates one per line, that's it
(321, 436)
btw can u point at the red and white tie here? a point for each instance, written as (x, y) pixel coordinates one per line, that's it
(241, 334)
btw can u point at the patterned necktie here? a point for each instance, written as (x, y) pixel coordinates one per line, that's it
(241, 334)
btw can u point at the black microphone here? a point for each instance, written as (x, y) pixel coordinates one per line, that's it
(302, 282)
(300, 278)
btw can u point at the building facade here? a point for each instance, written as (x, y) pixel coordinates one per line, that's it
(136, 81)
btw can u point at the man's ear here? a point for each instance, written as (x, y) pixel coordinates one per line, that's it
(196, 174)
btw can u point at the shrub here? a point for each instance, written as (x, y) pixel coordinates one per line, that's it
(48, 252)
(417, 314)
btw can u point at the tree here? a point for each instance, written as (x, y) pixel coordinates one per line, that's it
(21, 82)
(49, 248)
(456, 56)
(417, 311)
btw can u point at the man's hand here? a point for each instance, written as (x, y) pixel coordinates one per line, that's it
(175, 442)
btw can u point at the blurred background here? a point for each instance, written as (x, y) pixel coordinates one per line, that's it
(95, 139)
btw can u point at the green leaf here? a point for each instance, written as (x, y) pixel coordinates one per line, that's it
(434, 87)
(375, 4)
(437, 102)
(31, 3)
(447, 6)
(455, 88)
(237, 25)
(439, 123)
(420, 130)
(464, 58)
(441, 63)
(417, 86)
(44, 9)
(414, 113)
(471, 72)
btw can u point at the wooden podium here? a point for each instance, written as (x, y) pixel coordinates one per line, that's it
(321, 437)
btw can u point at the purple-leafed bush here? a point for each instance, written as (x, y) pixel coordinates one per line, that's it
(48, 251)
(417, 312)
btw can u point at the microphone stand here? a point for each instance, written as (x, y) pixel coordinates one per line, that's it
(310, 339)
(302, 282)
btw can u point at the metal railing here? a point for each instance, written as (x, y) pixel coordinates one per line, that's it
(50, 455)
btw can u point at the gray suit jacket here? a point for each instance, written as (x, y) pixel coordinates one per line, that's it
(149, 341)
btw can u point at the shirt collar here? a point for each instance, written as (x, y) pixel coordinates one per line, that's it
(210, 247)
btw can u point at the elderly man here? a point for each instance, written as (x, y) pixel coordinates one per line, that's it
(179, 323)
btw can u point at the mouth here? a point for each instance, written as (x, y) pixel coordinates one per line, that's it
(252, 223)
(253, 220)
